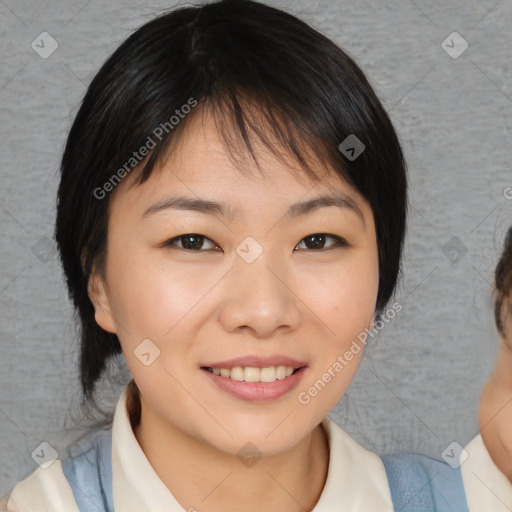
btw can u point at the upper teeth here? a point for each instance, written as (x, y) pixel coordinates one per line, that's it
(251, 374)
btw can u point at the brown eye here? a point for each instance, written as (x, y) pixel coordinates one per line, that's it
(191, 242)
(317, 241)
(194, 242)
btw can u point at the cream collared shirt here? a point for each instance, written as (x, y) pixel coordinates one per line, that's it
(487, 488)
(356, 479)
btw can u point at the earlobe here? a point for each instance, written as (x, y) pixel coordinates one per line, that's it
(97, 292)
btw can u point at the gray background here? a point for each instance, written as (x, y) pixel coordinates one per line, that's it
(420, 381)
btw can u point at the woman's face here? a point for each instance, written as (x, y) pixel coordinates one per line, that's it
(251, 289)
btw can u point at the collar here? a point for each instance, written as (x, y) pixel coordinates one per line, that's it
(356, 478)
(487, 488)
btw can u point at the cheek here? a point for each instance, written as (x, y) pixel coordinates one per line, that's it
(345, 301)
(142, 298)
(151, 303)
(345, 297)
(150, 297)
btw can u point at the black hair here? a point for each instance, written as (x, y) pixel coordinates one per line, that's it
(503, 287)
(266, 76)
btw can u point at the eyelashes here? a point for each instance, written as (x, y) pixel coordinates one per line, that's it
(193, 242)
(319, 239)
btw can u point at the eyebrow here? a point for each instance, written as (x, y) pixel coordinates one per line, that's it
(215, 208)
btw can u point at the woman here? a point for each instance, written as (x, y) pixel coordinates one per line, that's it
(231, 216)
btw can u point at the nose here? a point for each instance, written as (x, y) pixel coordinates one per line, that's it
(259, 299)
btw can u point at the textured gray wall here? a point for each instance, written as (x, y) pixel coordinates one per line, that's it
(419, 384)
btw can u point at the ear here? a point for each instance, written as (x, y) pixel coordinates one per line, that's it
(97, 292)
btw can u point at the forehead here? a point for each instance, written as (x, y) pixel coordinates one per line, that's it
(203, 163)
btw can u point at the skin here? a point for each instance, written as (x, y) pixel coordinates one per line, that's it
(495, 411)
(208, 304)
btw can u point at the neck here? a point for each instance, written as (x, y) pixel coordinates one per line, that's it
(204, 478)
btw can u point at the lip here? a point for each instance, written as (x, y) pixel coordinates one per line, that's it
(257, 391)
(257, 362)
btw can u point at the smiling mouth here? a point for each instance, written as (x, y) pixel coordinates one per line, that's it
(253, 374)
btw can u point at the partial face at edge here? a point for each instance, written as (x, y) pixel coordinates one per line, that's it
(495, 406)
(303, 297)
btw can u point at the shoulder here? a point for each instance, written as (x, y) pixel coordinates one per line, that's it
(88, 469)
(45, 490)
(421, 483)
(55, 488)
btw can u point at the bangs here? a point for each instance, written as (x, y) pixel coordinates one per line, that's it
(245, 121)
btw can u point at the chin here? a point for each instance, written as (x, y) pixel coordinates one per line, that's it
(262, 442)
